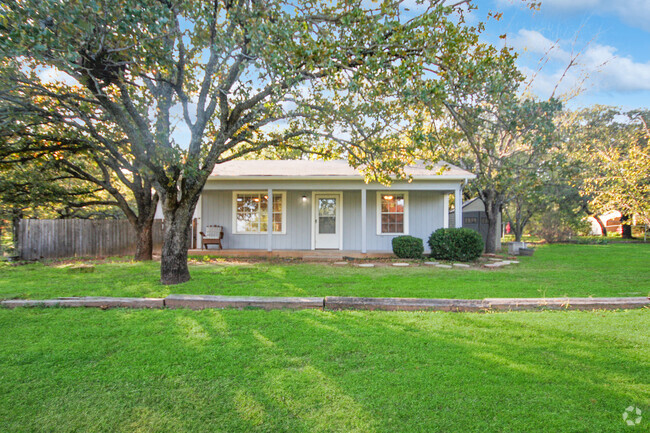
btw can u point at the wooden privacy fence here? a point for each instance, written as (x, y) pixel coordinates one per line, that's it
(49, 239)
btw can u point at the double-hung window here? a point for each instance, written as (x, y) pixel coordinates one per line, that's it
(251, 212)
(392, 213)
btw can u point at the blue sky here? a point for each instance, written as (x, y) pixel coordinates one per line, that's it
(612, 38)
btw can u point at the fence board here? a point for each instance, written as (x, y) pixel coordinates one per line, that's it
(50, 239)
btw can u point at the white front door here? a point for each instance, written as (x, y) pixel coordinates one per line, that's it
(327, 221)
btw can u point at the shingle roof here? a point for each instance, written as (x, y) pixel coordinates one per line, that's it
(317, 169)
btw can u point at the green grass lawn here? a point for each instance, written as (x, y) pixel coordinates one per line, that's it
(555, 270)
(87, 370)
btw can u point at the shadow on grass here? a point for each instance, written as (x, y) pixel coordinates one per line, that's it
(307, 371)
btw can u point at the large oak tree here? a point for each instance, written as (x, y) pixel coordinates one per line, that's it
(50, 161)
(191, 84)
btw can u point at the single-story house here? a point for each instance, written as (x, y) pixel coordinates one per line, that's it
(314, 205)
(475, 218)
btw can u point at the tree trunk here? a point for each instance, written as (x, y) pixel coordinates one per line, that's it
(626, 228)
(16, 216)
(519, 232)
(491, 240)
(603, 228)
(144, 241)
(176, 242)
(143, 222)
(492, 201)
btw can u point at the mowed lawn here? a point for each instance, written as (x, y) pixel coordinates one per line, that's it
(88, 370)
(555, 270)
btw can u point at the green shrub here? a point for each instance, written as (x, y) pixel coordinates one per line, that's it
(408, 247)
(456, 244)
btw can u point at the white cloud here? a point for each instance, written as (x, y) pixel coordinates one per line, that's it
(597, 67)
(534, 42)
(617, 73)
(633, 12)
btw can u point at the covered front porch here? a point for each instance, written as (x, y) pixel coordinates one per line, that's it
(321, 218)
(306, 255)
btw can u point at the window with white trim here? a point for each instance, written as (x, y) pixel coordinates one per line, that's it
(392, 213)
(251, 210)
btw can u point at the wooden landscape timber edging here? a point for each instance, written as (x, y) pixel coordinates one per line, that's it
(511, 304)
(87, 301)
(199, 302)
(403, 304)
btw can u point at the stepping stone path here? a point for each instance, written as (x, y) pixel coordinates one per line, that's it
(443, 266)
(460, 265)
(431, 263)
(495, 259)
(340, 263)
(366, 265)
(400, 264)
(497, 264)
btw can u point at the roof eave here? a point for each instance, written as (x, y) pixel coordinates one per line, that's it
(334, 177)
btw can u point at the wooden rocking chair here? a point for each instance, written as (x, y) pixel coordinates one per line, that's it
(212, 236)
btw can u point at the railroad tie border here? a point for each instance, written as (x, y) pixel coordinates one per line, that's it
(199, 302)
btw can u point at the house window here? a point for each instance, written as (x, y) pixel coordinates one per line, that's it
(251, 212)
(392, 213)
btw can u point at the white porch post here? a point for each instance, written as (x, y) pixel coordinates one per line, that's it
(198, 212)
(364, 209)
(269, 221)
(458, 214)
(445, 206)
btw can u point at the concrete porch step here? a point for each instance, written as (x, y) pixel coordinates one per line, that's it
(322, 257)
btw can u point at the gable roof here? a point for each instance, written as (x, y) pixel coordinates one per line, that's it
(467, 203)
(336, 169)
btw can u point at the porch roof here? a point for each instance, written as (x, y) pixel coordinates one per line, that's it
(337, 169)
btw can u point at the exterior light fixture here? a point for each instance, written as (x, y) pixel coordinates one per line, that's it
(388, 197)
(304, 198)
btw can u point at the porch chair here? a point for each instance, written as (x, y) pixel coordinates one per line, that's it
(212, 236)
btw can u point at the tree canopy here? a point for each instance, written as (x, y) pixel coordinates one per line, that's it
(611, 148)
(191, 84)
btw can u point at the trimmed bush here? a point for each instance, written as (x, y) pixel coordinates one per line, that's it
(456, 244)
(408, 247)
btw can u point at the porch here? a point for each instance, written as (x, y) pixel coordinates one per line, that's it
(331, 220)
(300, 208)
(306, 255)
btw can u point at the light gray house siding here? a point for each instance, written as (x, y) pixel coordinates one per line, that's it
(303, 182)
(425, 213)
(217, 209)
